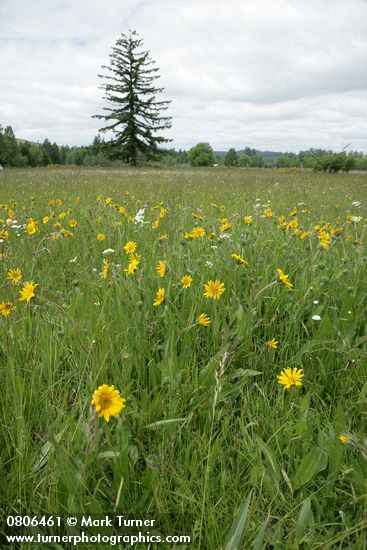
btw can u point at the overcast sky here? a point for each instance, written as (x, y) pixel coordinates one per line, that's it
(279, 75)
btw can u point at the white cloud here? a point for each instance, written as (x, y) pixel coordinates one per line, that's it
(271, 74)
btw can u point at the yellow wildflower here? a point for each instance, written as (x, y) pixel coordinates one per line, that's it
(14, 275)
(197, 232)
(27, 292)
(290, 377)
(224, 225)
(239, 260)
(108, 402)
(132, 267)
(272, 344)
(161, 268)
(6, 308)
(214, 289)
(186, 281)
(130, 247)
(101, 237)
(159, 298)
(105, 269)
(284, 278)
(203, 320)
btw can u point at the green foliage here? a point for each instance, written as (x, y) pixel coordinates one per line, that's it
(243, 161)
(200, 155)
(335, 163)
(231, 158)
(134, 113)
(209, 443)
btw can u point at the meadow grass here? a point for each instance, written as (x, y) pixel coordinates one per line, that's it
(209, 443)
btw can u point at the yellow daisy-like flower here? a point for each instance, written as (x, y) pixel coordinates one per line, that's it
(27, 292)
(268, 212)
(130, 247)
(101, 237)
(290, 377)
(239, 260)
(105, 269)
(284, 278)
(203, 320)
(32, 226)
(248, 220)
(133, 265)
(282, 222)
(4, 234)
(163, 237)
(197, 232)
(343, 439)
(45, 220)
(272, 344)
(159, 297)
(6, 308)
(73, 223)
(214, 289)
(186, 281)
(14, 275)
(108, 402)
(224, 225)
(161, 268)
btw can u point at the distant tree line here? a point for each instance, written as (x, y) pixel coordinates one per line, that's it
(22, 153)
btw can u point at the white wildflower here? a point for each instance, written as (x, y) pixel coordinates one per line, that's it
(139, 216)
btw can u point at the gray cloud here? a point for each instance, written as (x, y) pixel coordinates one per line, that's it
(275, 74)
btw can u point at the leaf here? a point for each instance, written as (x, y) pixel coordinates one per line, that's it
(234, 537)
(245, 372)
(325, 330)
(308, 467)
(45, 452)
(108, 454)
(270, 459)
(163, 422)
(259, 541)
(305, 519)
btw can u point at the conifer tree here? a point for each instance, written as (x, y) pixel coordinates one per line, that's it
(134, 113)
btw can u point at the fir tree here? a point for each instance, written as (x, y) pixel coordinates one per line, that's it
(134, 114)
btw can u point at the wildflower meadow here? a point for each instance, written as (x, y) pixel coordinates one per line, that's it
(189, 346)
